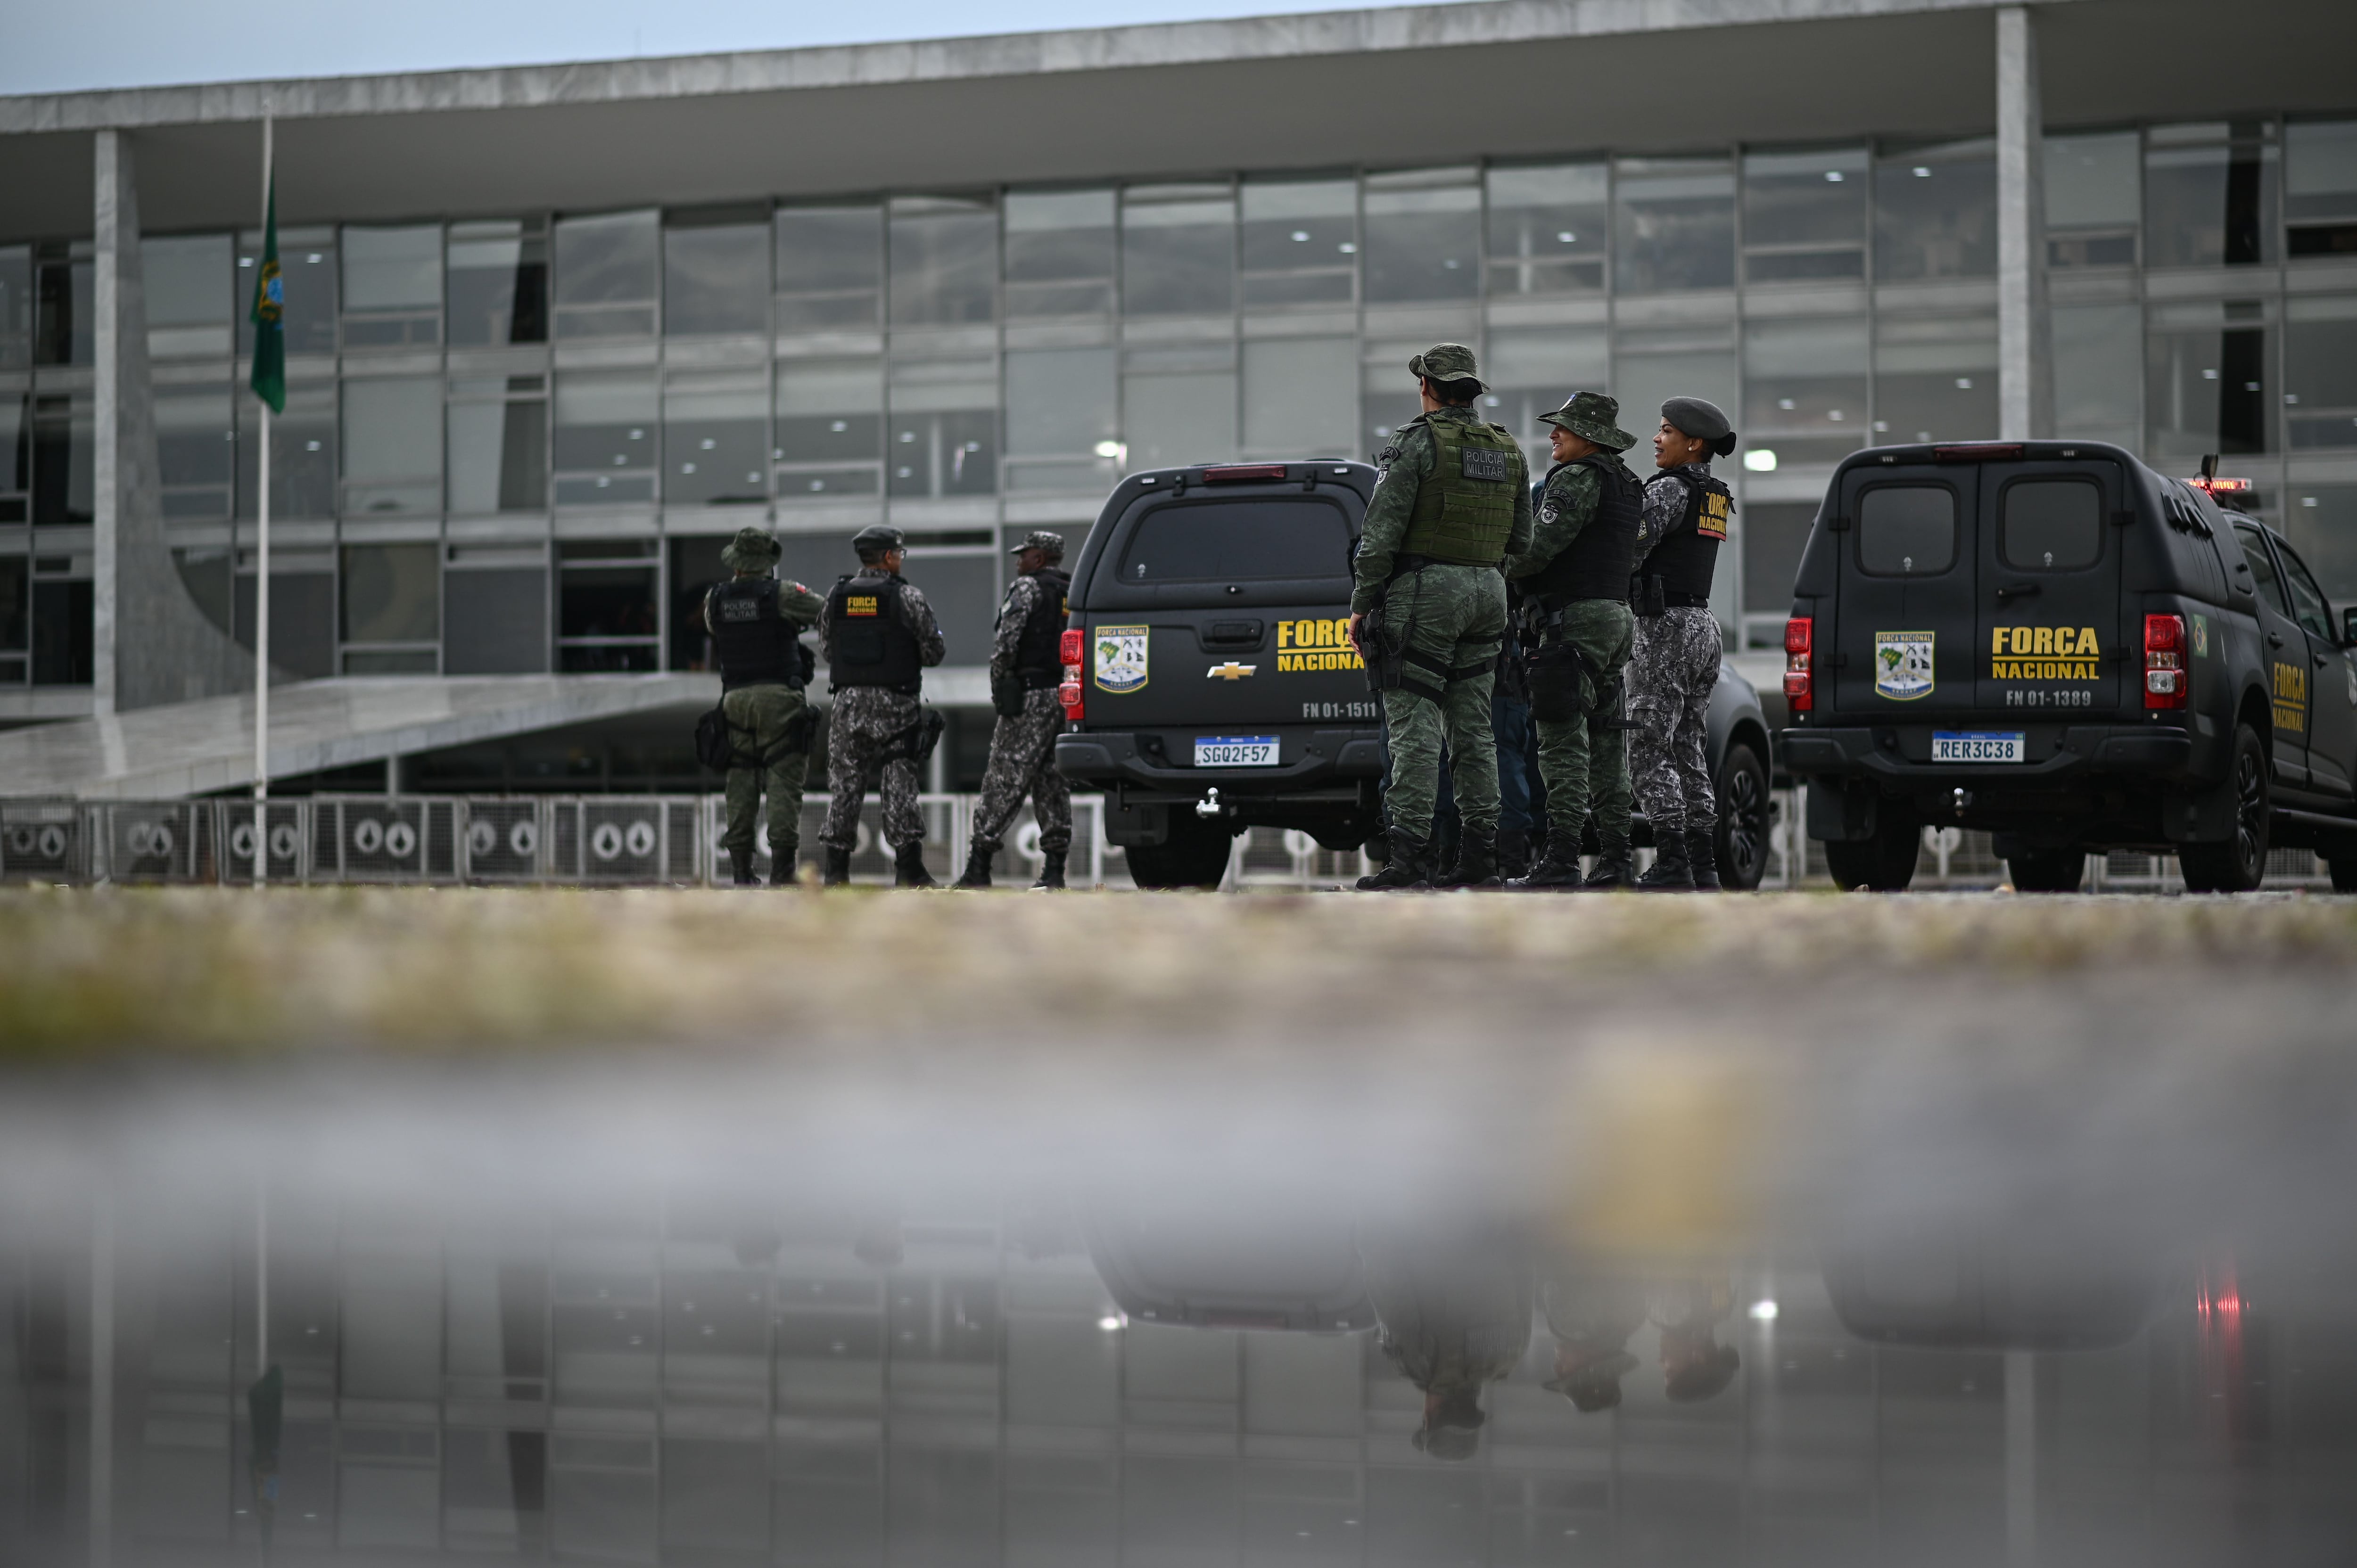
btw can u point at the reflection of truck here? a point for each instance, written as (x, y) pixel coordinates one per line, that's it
(1211, 685)
(1174, 1265)
(2051, 642)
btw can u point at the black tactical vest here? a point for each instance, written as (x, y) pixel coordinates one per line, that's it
(868, 640)
(1683, 558)
(1038, 654)
(1595, 565)
(755, 645)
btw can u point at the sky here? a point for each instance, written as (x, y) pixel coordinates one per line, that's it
(140, 43)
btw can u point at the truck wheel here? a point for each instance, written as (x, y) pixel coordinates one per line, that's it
(1195, 855)
(2237, 865)
(1742, 847)
(1883, 863)
(2344, 873)
(2048, 870)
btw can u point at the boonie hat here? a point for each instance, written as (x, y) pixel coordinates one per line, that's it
(1595, 417)
(877, 537)
(1039, 539)
(753, 549)
(1445, 362)
(1701, 420)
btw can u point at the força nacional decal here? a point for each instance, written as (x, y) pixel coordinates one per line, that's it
(1120, 657)
(1312, 645)
(2044, 653)
(1902, 665)
(2290, 682)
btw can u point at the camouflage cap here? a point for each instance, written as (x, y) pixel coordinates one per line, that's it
(753, 549)
(1042, 540)
(1445, 362)
(877, 537)
(1594, 417)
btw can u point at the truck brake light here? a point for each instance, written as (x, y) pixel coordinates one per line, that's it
(2166, 681)
(1069, 695)
(1800, 672)
(1243, 473)
(1074, 642)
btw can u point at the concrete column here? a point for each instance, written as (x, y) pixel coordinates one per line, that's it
(2025, 373)
(112, 241)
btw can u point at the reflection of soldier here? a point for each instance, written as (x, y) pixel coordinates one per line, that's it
(880, 637)
(1453, 1319)
(754, 620)
(1591, 1317)
(1694, 1365)
(1025, 666)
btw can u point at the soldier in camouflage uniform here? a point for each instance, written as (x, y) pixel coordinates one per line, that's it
(1575, 582)
(1428, 612)
(1454, 1316)
(1026, 667)
(879, 635)
(1677, 649)
(755, 620)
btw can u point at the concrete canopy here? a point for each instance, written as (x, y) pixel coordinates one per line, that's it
(1402, 85)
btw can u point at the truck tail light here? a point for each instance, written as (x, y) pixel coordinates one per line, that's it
(1800, 670)
(1069, 693)
(2166, 678)
(1075, 643)
(1073, 649)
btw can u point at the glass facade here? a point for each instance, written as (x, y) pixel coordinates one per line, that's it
(515, 390)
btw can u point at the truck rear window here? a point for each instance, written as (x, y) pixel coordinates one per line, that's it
(1907, 530)
(1225, 540)
(2051, 525)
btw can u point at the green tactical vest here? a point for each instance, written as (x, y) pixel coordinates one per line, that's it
(1464, 513)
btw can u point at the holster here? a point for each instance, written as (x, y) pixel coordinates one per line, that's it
(915, 742)
(1649, 597)
(1565, 685)
(1007, 694)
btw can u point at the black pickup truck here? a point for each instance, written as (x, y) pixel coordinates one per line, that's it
(2051, 641)
(1209, 684)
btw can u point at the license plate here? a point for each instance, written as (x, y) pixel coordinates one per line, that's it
(1235, 751)
(1949, 745)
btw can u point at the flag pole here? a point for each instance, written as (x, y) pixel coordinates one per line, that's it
(261, 587)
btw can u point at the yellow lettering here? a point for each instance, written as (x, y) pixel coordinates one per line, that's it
(2087, 644)
(1284, 637)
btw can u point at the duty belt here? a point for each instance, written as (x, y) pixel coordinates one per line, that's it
(1403, 564)
(1686, 601)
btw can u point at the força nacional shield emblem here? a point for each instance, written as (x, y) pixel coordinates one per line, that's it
(1902, 665)
(1120, 657)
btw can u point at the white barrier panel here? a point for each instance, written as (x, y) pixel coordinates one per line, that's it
(155, 840)
(285, 832)
(43, 841)
(385, 838)
(505, 840)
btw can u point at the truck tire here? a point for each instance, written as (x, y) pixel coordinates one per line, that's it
(2048, 870)
(2237, 865)
(1194, 855)
(1743, 801)
(1883, 863)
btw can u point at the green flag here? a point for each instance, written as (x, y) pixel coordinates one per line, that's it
(269, 379)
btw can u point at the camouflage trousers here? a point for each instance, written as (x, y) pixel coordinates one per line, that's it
(866, 723)
(758, 717)
(1455, 616)
(1670, 682)
(1584, 765)
(1023, 761)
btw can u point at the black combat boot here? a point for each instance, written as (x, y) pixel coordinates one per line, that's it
(1672, 872)
(1556, 870)
(1513, 854)
(1410, 865)
(1477, 861)
(1702, 858)
(838, 868)
(977, 865)
(740, 866)
(781, 863)
(1614, 871)
(1051, 875)
(909, 867)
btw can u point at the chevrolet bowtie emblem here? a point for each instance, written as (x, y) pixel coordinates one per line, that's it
(1231, 671)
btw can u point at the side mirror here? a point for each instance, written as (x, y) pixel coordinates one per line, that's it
(2349, 626)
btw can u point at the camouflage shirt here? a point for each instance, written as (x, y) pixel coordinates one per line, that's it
(931, 649)
(1567, 505)
(1407, 464)
(1014, 615)
(1665, 503)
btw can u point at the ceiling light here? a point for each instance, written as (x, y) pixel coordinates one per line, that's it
(1763, 1311)
(1761, 461)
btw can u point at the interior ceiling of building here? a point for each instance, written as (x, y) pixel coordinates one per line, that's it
(1929, 73)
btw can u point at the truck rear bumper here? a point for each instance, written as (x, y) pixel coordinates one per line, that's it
(1328, 759)
(1892, 754)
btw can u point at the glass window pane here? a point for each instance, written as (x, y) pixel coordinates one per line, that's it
(302, 455)
(498, 453)
(610, 607)
(1216, 540)
(499, 282)
(1177, 417)
(1804, 216)
(392, 445)
(716, 278)
(944, 255)
(16, 306)
(1804, 391)
(189, 290)
(715, 428)
(604, 448)
(2263, 568)
(606, 275)
(2094, 199)
(1062, 432)
(1424, 236)
(1301, 397)
(393, 593)
(1645, 381)
(392, 269)
(1059, 255)
(2051, 525)
(2308, 605)
(942, 436)
(1907, 530)
(2097, 348)
(2321, 522)
(2205, 385)
(2209, 193)
(1548, 229)
(1300, 241)
(830, 428)
(1935, 211)
(64, 454)
(1774, 534)
(16, 606)
(1178, 250)
(65, 305)
(2321, 375)
(195, 447)
(1676, 219)
(306, 266)
(2320, 188)
(1533, 372)
(1935, 379)
(829, 263)
(15, 455)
